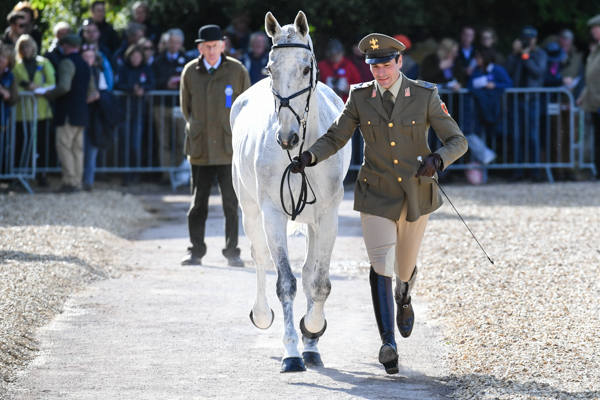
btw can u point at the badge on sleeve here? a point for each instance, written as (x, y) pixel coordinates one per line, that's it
(228, 94)
(443, 105)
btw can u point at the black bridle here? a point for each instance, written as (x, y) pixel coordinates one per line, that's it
(297, 206)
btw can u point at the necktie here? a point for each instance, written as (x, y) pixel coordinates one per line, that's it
(211, 70)
(388, 104)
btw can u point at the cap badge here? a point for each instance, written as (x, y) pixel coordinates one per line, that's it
(374, 44)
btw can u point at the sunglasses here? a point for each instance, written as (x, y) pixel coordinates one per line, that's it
(149, 48)
(22, 25)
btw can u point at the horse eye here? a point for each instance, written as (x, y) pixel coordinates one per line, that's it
(306, 71)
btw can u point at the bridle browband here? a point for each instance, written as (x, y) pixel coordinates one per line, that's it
(302, 201)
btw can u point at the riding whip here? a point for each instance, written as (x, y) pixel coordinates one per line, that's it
(420, 159)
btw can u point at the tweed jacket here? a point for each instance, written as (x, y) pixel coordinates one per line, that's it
(392, 145)
(591, 93)
(206, 105)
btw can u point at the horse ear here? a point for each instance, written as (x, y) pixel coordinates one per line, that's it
(301, 24)
(272, 27)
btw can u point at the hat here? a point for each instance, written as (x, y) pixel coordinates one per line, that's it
(404, 40)
(529, 31)
(379, 48)
(555, 52)
(71, 40)
(566, 34)
(594, 21)
(209, 33)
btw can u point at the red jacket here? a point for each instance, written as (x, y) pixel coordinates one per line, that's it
(339, 77)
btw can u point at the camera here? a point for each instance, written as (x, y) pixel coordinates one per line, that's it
(525, 42)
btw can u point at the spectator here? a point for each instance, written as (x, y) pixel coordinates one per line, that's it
(30, 16)
(148, 47)
(556, 57)
(167, 69)
(409, 67)
(257, 57)
(590, 97)
(238, 33)
(442, 67)
(527, 66)
(572, 66)
(487, 83)
(141, 14)
(108, 36)
(133, 34)
(16, 27)
(161, 47)
(488, 39)
(466, 54)
(135, 77)
(54, 53)
(358, 59)
(75, 88)
(336, 71)
(211, 83)
(33, 72)
(9, 91)
(91, 36)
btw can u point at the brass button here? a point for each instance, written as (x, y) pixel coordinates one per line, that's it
(368, 122)
(393, 143)
(365, 179)
(390, 124)
(399, 179)
(395, 161)
(413, 122)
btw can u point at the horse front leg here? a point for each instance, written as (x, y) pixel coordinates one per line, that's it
(261, 314)
(275, 226)
(313, 325)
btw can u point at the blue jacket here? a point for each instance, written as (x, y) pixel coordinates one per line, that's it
(489, 101)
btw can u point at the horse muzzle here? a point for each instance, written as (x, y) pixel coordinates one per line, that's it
(290, 142)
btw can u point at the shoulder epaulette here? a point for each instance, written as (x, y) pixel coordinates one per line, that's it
(425, 84)
(362, 85)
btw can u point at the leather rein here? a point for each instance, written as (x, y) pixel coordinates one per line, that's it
(299, 204)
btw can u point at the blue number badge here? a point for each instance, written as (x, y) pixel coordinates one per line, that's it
(228, 94)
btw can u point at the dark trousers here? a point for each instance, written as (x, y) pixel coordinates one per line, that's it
(202, 181)
(596, 123)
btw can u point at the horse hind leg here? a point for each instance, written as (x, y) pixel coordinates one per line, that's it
(261, 315)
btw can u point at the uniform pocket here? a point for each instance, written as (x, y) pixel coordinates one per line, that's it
(194, 139)
(370, 131)
(413, 126)
(368, 183)
(426, 191)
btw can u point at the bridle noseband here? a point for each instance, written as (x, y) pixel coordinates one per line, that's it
(302, 201)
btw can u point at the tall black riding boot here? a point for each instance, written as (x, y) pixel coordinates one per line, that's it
(406, 316)
(383, 305)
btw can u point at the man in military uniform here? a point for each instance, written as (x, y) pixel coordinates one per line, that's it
(209, 86)
(394, 192)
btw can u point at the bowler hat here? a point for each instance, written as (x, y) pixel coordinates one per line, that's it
(209, 33)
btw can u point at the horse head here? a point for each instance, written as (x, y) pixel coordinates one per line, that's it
(293, 70)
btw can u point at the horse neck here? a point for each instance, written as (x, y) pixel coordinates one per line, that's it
(312, 120)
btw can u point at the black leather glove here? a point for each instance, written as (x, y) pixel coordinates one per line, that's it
(301, 162)
(431, 165)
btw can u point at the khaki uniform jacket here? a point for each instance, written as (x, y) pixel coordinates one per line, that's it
(206, 109)
(591, 93)
(392, 146)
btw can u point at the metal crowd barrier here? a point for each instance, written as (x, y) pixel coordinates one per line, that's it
(18, 142)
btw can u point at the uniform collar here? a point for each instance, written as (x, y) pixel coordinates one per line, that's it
(395, 88)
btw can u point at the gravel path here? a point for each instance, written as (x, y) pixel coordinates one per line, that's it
(523, 328)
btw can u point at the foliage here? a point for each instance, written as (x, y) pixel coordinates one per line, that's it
(348, 19)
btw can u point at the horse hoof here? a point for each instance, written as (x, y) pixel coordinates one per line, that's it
(312, 359)
(271, 323)
(292, 364)
(310, 335)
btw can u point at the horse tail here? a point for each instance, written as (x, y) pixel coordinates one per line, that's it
(296, 228)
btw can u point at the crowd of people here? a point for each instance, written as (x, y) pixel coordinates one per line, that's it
(145, 57)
